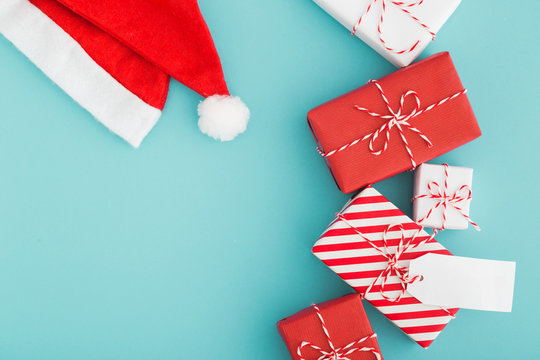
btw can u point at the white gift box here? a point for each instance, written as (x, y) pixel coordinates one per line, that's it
(429, 180)
(399, 29)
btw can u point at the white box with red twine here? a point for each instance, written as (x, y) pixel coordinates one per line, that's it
(442, 196)
(398, 30)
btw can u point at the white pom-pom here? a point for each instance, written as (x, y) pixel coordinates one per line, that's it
(223, 117)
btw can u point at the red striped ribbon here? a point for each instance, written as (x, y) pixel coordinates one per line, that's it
(439, 193)
(337, 353)
(396, 119)
(403, 7)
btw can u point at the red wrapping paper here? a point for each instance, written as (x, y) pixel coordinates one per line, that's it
(345, 320)
(337, 123)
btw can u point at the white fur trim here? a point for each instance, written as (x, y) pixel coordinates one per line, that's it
(63, 60)
(223, 117)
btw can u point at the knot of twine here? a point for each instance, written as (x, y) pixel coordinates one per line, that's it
(403, 7)
(393, 267)
(337, 353)
(394, 119)
(445, 199)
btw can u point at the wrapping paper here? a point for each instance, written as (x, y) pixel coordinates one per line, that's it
(345, 320)
(457, 177)
(448, 125)
(359, 264)
(399, 30)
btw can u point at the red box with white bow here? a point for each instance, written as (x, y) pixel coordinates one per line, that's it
(370, 245)
(335, 329)
(395, 123)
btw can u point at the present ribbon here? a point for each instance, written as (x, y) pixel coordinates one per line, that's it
(397, 119)
(439, 193)
(393, 268)
(403, 7)
(339, 353)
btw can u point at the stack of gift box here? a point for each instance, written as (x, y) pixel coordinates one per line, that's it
(385, 127)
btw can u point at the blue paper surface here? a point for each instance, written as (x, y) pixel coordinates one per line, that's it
(192, 249)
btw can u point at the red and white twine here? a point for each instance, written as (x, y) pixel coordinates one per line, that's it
(393, 267)
(444, 199)
(397, 119)
(337, 353)
(403, 7)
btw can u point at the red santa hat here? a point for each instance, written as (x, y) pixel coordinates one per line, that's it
(115, 57)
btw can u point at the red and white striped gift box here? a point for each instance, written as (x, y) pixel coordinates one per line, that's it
(353, 246)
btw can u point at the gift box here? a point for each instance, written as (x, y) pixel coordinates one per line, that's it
(442, 196)
(398, 31)
(337, 328)
(370, 245)
(393, 124)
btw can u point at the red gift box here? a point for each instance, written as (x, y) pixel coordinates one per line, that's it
(370, 245)
(338, 326)
(395, 123)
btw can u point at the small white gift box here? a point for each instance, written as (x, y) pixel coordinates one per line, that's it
(398, 30)
(442, 196)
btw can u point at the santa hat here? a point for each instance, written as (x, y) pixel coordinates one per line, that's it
(114, 57)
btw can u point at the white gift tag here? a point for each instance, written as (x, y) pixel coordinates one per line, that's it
(460, 282)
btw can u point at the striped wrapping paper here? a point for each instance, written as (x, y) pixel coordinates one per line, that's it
(351, 257)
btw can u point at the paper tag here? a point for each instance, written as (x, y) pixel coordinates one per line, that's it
(460, 282)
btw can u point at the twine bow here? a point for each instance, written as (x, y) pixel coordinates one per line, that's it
(444, 199)
(403, 7)
(393, 268)
(397, 119)
(337, 353)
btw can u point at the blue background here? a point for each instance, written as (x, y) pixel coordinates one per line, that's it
(192, 249)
